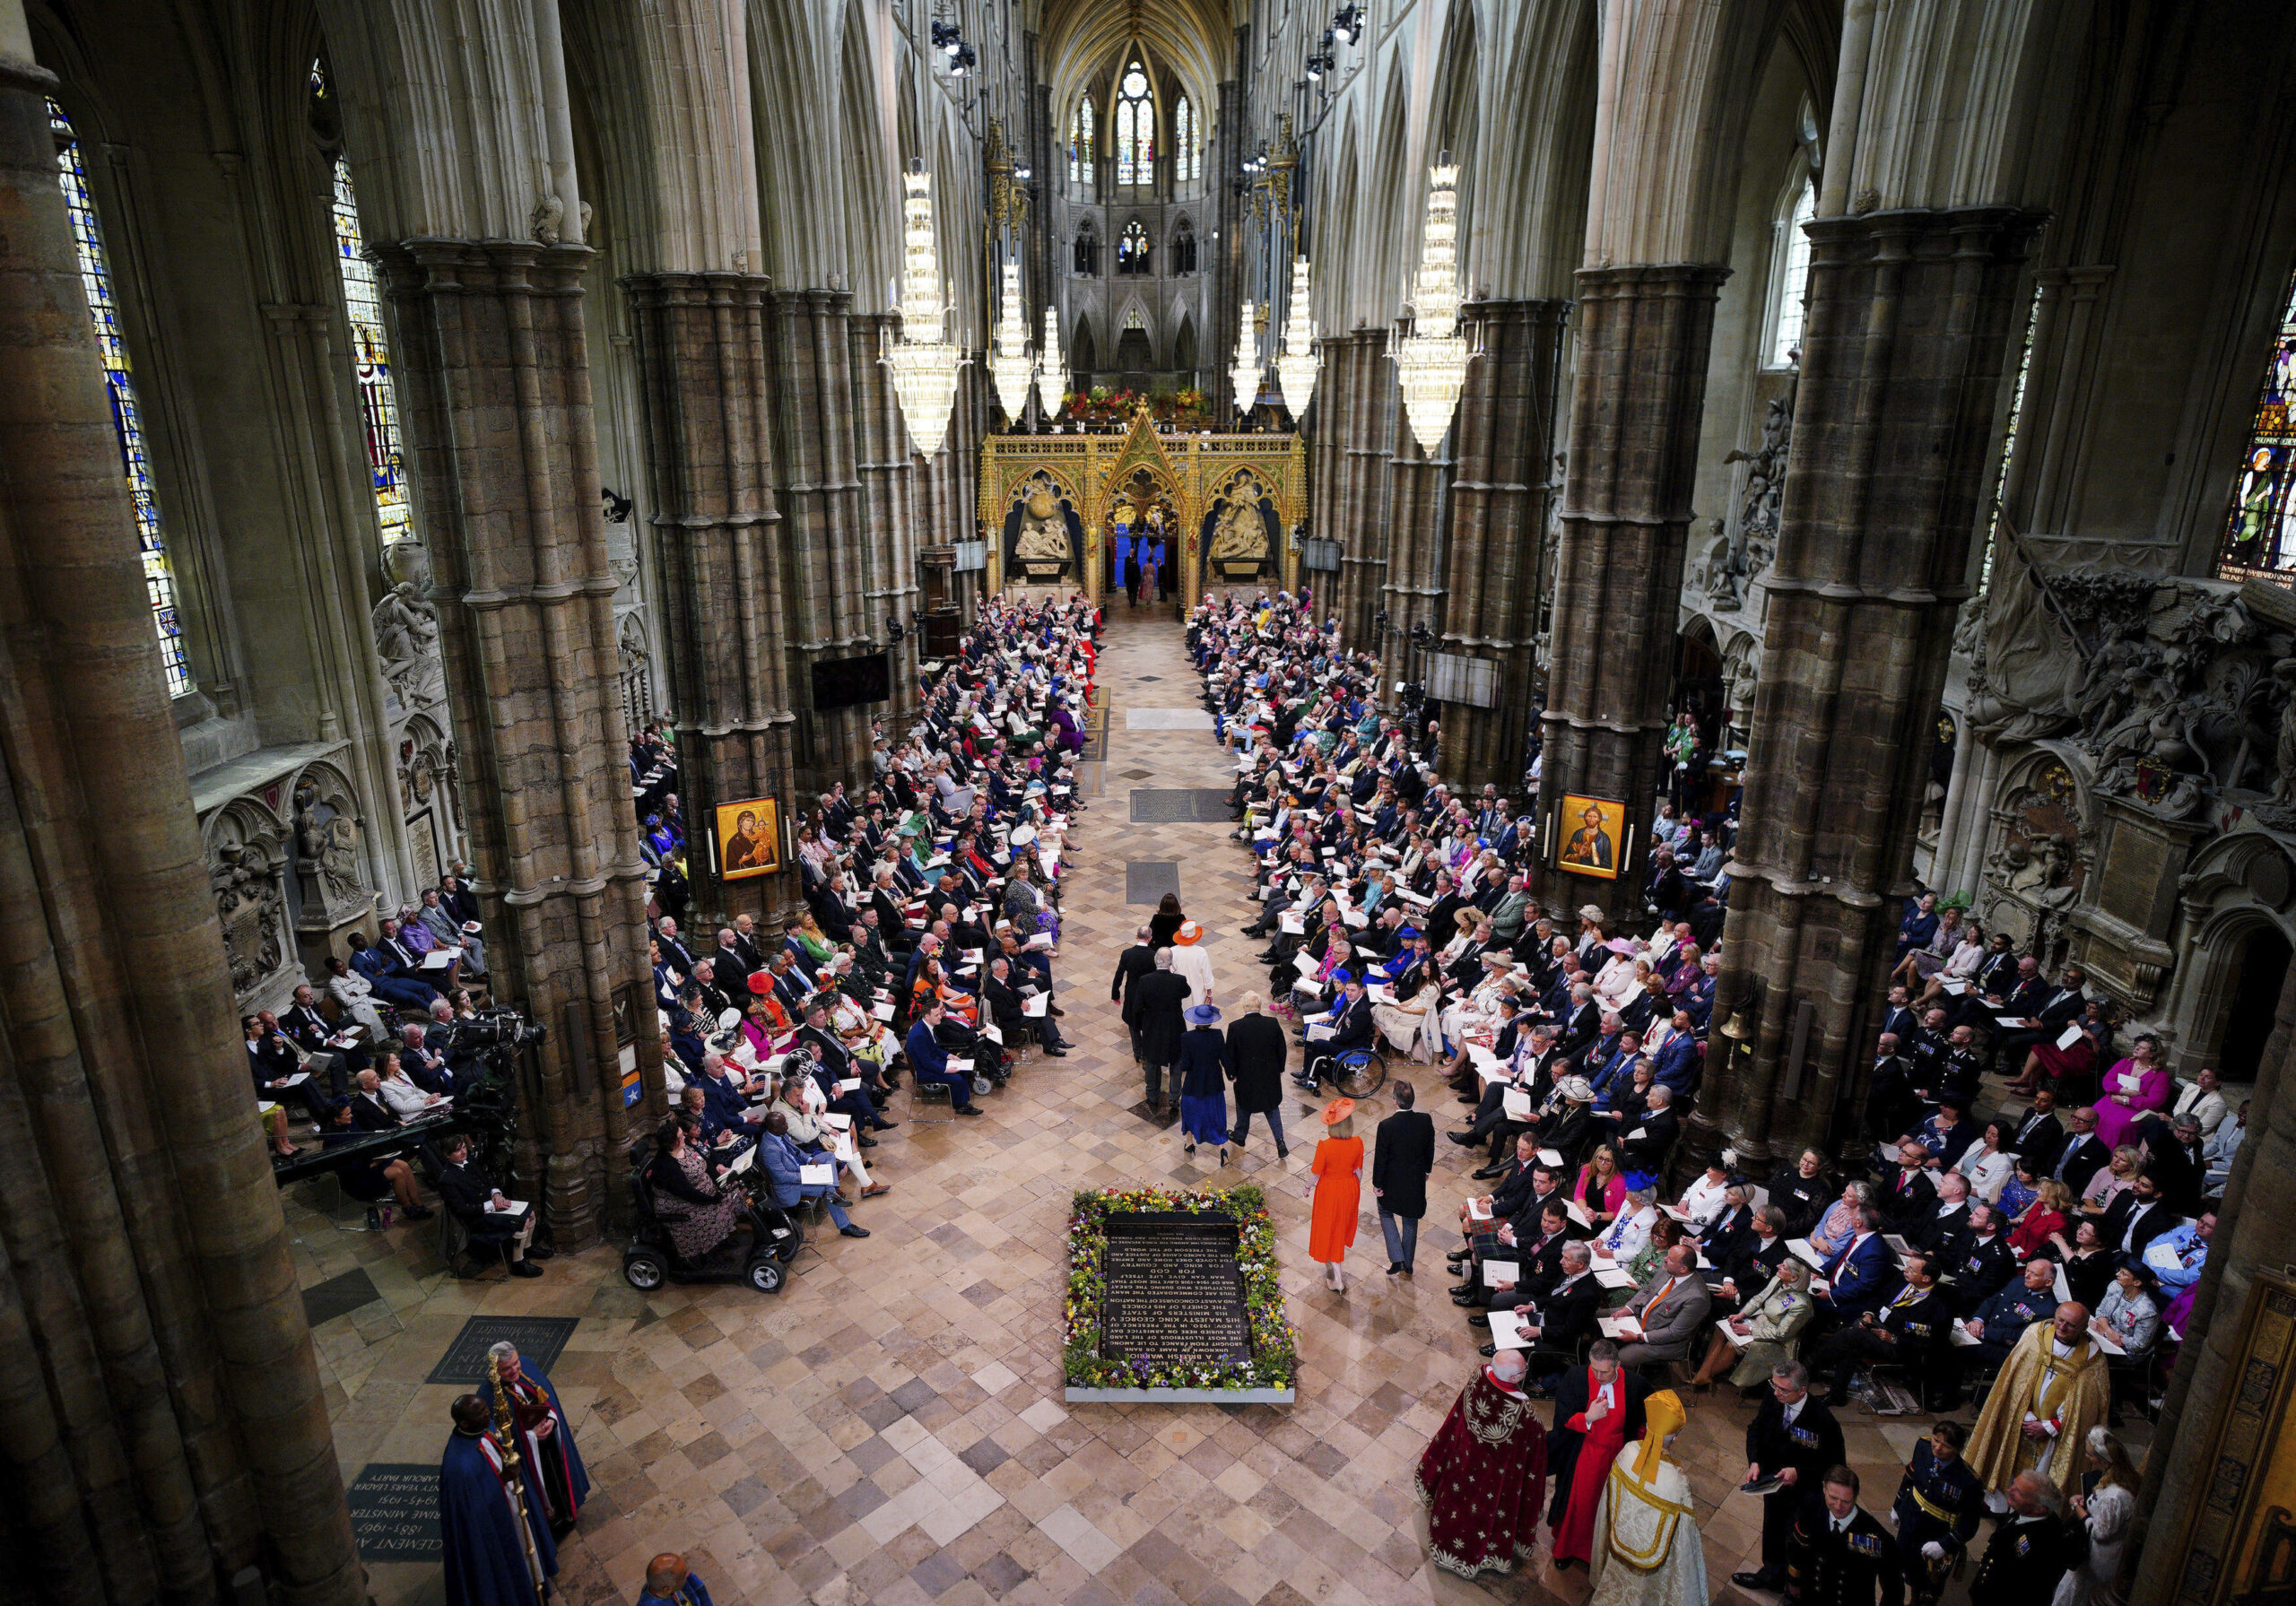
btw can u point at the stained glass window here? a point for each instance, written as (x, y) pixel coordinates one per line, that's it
(2260, 534)
(370, 357)
(1080, 144)
(1132, 249)
(127, 417)
(1187, 161)
(1792, 281)
(1136, 129)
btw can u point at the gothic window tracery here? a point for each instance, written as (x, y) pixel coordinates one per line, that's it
(1132, 249)
(1087, 250)
(370, 354)
(1187, 155)
(127, 415)
(1080, 144)
(1184, 248)
(1135, 128)
(2260, 532)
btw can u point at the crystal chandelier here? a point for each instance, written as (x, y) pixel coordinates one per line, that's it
(1431, 360)
(1244, 376)
(1011, 367)
(924, 365)
(1297, 362)
(1052, 368)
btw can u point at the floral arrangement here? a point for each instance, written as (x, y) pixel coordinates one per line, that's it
(1274, 1356)
(1187, 408)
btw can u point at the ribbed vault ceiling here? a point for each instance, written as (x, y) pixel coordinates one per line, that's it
(1194, 39)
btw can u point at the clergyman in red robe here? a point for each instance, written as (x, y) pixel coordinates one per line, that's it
(1483, 1476)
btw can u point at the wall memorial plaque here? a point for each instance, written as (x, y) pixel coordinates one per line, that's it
(1174, 1293)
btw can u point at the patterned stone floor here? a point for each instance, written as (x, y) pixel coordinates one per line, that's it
(888, 1429)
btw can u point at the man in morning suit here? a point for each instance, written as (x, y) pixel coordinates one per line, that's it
(1402, 1153)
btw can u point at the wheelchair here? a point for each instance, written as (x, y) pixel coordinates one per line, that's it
(1358, 1073)
(761, 1259)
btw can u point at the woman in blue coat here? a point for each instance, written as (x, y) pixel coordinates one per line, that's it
(1203, 1069)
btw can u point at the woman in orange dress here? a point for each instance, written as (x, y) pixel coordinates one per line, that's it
(1337, 1187)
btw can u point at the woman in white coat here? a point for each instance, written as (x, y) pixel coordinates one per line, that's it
(2108, 1511)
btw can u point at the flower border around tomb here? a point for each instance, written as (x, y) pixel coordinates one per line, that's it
(1268, 1377)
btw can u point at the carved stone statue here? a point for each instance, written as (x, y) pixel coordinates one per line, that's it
(2284, 780)
(329, 846)
(549, 217)
(250, 905)
(406, 626)
(1240, 534)
(1044, 532)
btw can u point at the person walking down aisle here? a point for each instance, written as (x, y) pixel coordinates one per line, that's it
(1647, 1548)
(1402, 1155)
(490, 1557)
(1337, 1187)
(1256, 1053)
(1483, 1475)
(1203, 1075)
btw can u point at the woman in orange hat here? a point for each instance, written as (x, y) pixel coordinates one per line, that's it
(1337, 1187)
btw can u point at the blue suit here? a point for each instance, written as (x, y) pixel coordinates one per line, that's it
(391, 983)
(780, 1158)
(1678, 1065)
(485, 1557)
(930, 1061)
(1861, 1277)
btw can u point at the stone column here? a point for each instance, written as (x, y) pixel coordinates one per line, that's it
(1360, 423)
(162, 1427)
(701, 347)
(1504, 437)
(1418, 523)
(889, 516)
(1639, 388)
(819, 491)
(1909, 320)
(495, 400)
(2184, 1508)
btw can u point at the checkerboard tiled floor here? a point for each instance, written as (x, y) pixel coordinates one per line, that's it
(888, 1429)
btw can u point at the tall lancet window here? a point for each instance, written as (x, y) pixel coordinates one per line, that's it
(370, 358)
(1792, 280)
(1136, 129)
(2260, 536)
(1080, 146)
(1187, 159)
(127, 417)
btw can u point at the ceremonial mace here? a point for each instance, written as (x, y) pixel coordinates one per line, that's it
(508, 1443)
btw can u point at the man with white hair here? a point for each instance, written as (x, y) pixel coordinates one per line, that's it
(1484, 1474)
(544, 1437)
(1158, 997)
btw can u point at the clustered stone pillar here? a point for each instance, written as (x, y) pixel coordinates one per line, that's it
(1418, 522)
(889, 511)
(820, 489)
(1361, 399)
(700, 342)
(1503, 436)
(162, 1427)
(2186, 1505)
(1640, 387)
(1911, 314)
(495, 398)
